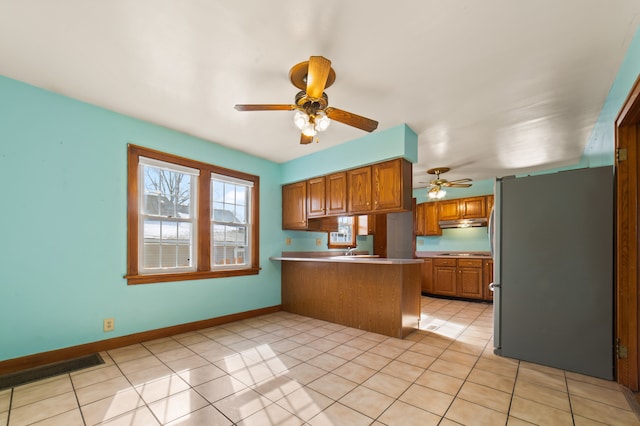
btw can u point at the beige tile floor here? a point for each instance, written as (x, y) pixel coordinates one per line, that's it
(284, 369)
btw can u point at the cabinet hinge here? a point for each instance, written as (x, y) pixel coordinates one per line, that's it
(621, 154)
(621, 350)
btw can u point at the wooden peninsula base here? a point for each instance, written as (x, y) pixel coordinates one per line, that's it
(377, 295)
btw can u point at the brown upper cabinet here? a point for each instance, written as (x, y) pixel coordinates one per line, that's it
(380, 188)
(427, 219)
(473, 208)
(421, 220)
(336, 193)
(431, 226)
(294, 206)
(463, 208)
(359, 184)
(316, 197)
(489, 204)
(429, 214)
(392, 185)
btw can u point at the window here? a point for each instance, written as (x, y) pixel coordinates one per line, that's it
(189, 220)
(230, 224)
(345, 236)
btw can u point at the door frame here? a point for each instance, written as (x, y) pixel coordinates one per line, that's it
(627, 136)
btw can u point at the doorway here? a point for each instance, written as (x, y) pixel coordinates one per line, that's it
(627, 136)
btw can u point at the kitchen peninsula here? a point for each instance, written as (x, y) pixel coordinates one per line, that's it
(379, 295)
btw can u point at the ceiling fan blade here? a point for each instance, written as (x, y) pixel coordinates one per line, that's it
(460, 180)
(457, 185)
(351, 119)
(305, 140)
(319, 68)
(265, 107)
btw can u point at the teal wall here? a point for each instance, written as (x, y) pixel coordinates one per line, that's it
(64, 210)
(307, 241)
(601, 145)
(458, 239)
(399, 141)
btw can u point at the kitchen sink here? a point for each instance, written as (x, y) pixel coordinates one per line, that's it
(466, 254)
(355, 256)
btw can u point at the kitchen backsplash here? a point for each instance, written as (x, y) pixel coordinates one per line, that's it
(459, 239)
(307, 241)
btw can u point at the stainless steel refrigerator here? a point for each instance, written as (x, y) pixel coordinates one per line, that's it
(552, 238)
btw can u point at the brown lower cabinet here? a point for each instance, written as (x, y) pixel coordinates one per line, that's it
(455, 277)
(487, 267)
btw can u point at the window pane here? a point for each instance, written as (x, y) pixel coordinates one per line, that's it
(166, 193)
(167, 244)
(229, 227)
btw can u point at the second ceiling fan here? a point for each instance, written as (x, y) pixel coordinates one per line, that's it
(313, 113)
(436, 185)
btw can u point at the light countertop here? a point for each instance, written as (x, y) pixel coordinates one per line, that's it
(455, 254)
(350, 259)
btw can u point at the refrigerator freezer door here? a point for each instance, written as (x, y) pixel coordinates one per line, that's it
(494, 239)
(556, 270)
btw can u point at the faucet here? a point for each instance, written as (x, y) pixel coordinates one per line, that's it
(351, 251)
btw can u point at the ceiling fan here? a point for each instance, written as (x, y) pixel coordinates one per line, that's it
(313, 113)
(436, 185)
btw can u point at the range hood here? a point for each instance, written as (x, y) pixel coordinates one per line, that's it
(463, 223)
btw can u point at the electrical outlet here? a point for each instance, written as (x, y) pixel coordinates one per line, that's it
(108, 324)
(318, 241)
(287, 241)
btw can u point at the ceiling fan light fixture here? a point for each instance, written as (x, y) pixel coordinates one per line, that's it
(301, 119)
(322, 121)
(309, 130)
(437, 193)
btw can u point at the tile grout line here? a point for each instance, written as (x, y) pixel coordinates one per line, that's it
(75, 394)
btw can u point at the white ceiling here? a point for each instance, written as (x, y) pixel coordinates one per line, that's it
(492, 87)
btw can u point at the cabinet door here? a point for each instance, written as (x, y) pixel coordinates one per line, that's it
(336, 191)
(359, 190)
(449, 210)
(427, 276)
(316, 197)
(431, 225)
(421, 219)
(379, 234)
(387, 191)
(444, 280)
(489, 205)
(294, 206)
(444, 277)
(488, 279)
(473, 208)
(392, 181)
(470, 278)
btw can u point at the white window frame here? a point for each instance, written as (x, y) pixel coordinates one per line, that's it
(247, 224)
(192, 219)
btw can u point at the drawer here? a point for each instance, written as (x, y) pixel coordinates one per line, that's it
(444, 262)
(473, 263)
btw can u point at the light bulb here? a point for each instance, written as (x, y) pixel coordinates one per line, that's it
(308, 130)
(300, 119)
(322, 121)
(437, 195)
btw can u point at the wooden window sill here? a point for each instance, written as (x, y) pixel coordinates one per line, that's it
(185, 276)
